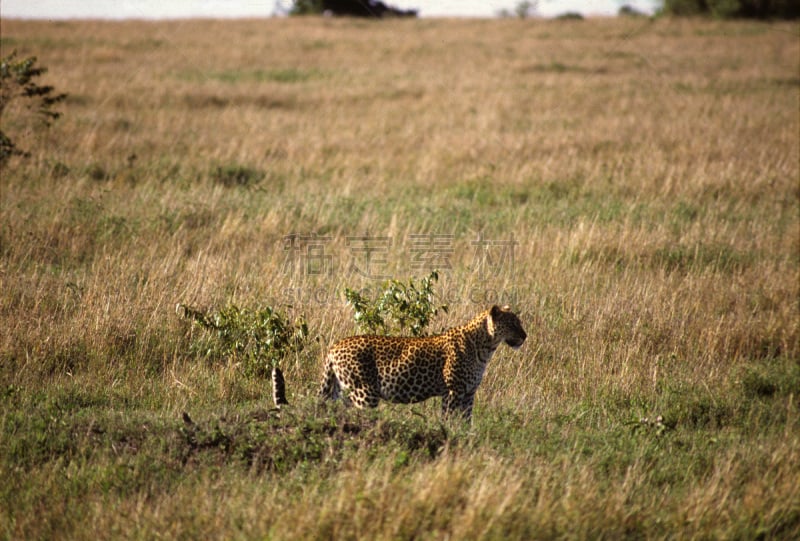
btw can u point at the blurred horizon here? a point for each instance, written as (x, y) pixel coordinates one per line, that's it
(179, 9)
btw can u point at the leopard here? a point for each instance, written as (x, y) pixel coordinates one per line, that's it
(364, 369)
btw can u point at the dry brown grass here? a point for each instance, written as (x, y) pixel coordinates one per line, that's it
(647, 170)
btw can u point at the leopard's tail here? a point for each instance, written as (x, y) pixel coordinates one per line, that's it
(330, 387)
(278, 388)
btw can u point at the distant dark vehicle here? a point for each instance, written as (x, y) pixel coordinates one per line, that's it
(349, 8)
(365, 8)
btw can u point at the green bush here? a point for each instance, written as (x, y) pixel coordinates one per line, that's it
(398, 307)
(17, 80)
(259, 338)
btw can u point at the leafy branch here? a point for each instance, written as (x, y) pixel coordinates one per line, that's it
(259, 338)
(17, 80)
(404, 307)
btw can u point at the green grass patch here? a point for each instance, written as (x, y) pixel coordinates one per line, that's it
(700, 256)
(89, 445)
(236, 175)
(236, 76)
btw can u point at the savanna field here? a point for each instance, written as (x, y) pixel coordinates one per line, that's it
(631, 187)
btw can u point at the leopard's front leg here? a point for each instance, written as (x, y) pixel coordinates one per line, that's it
(458, 403)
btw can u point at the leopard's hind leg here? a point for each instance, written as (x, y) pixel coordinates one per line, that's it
(357, 386)
(330, 389)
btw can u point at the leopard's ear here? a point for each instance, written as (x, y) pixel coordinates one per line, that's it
(497, 310)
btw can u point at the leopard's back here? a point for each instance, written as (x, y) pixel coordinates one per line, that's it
(397, 369)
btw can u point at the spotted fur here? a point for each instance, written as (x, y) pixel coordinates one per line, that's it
(365, 369)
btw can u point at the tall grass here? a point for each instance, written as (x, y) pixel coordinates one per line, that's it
(630, 187)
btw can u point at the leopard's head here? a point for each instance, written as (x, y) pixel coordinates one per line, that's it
(506, 327)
